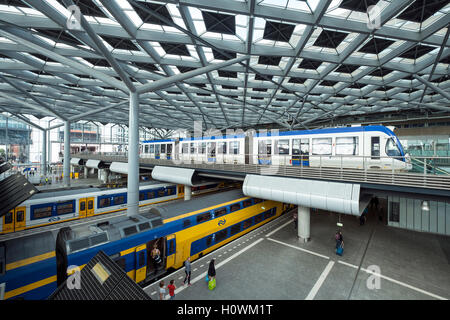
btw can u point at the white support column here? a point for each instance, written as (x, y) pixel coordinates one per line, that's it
(187, 193)
(44, 153)
(66, 170)
(303, 223)
(86, 172)
(133, 156)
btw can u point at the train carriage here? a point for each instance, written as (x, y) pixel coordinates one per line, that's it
(179, 230)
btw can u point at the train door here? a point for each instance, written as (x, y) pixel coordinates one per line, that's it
(141, 263)
(163, 151)
(265, 152)
(169, 151)
(374, 153)
(170, 250)
(221, 151)
(157, 151)
(82, 208)
(19, 217)
(8, 222)
(211, 149)
(90, 207)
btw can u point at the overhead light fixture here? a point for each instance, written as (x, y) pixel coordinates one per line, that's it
(425, 206)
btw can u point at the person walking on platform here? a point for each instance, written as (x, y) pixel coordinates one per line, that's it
(171, 287)
(187, 270)
(363, 217)
(295, 220)
(162, 291)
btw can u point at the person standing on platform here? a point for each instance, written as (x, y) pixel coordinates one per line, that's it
(339, 239)
(171, 287)
(187, 270)
(295, 216)
(162, 291)
(211, 270)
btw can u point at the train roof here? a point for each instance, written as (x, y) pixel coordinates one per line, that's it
(29, 246)
(61, 193)
(84, 237)
(171, 210)
(269, 133)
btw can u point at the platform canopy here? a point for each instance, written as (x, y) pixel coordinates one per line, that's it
(312, 62)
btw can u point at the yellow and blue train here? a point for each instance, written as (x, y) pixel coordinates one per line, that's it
(47, 208)
(32, 267)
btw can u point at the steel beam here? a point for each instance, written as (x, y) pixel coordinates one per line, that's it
(432, 86)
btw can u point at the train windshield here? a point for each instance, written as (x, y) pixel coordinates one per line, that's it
(392, 149)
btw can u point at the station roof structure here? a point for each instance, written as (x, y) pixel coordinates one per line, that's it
(311, 61)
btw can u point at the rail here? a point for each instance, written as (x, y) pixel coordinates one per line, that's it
(324, 171)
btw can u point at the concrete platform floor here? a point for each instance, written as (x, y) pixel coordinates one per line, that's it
(272, 264)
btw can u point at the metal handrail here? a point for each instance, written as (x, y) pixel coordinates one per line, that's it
(367, 175)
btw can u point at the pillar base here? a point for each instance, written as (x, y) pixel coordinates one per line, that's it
(304, 240)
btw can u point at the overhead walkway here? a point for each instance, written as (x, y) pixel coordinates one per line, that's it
(389, 180)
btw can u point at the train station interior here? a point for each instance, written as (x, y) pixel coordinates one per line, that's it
(249, 150)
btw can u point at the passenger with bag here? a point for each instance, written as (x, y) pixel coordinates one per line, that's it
(339, 243)
(211, 276)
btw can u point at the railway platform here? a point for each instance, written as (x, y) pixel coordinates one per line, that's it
(271, 264)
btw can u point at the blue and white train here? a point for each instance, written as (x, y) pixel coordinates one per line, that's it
(358, 147)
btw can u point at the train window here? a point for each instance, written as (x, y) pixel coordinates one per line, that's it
(150, 194)
(321, 146)
(300, 146)
(203, 217)
(259, 218)
(90, 204)
(9, 217)
(141, 258)
(82, 205)
(119, 200)
(129, 230)
(234, 147)
(235, 229)
(193, 148)
(121, 263)
(208, 241)
(267, 214)
(375, 147)
(282, 146)
(202, 148)
(43, 212)
(144, 226)
(222, 147)
(347, 146)
(394, 211)
(211, 149)
(152, 148)
(186, 223)
(20, 216)
(105, 202)
(392, 149)
(169, 148)
(141, 196)
(146, 148)
(184, 148)
(221, 235)
(247, 223)
(163, 148)
(235, 207)
(161, 193)
(265, 147)
(256, 200)
(64, 208)
(170, 191)
(247, 203)
(157, 148)
(220, 212)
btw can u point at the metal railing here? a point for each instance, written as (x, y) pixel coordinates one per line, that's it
(320, 168)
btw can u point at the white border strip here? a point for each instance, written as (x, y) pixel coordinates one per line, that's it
(320, 281)
(298, 248)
